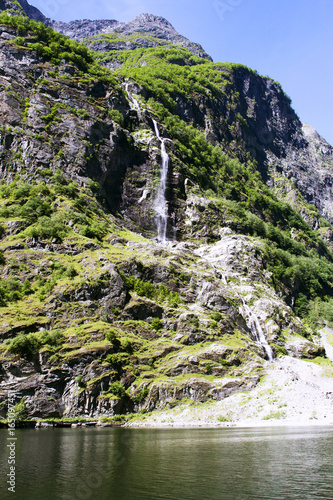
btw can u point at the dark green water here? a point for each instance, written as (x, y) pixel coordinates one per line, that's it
(148, 464)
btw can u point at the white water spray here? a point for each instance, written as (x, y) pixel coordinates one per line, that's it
(160, 202)
(132, 99)
(257, 331)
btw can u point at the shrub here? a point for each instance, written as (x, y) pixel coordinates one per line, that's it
(95, 230)
(216, 316)
(69, 190)
(59, 178)
(80, 203)
(19, 412)
(117, 389)
(71, 272)
(193, 321)
(21, 191)
(49, 228)
(151, 291)
(117, 359)
(111, 336)
(26, 287)
(156, 323)
(34, 208)
(24, 345)
(13, 289)
(52, 338)
(223, 418)
(127, 346)
(79, 381)
(93, 186)
(117, 116)
(141, 395)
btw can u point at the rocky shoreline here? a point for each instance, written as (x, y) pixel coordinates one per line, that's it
(292, 392)
(35, 424)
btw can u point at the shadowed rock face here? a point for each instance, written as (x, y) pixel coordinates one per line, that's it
(283, 145)
(33, 12)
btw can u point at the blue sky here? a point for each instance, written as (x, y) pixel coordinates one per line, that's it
(288, 40)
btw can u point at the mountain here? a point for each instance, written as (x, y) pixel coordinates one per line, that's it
(145, 30)
(165, 222)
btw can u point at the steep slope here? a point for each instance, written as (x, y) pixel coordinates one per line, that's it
(21, 7)
(99, 318)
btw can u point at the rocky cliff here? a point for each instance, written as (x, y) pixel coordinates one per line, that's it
(98, 317)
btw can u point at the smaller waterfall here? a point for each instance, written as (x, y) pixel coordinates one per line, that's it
(133, 101)
(160, 202)
(257, 331)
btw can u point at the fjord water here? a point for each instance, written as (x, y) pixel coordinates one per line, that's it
(281, 463)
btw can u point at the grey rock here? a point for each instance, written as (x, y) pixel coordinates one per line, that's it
(301, 348)
(145, 25)
(142, 308)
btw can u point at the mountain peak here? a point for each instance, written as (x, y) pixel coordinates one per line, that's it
(151, 18)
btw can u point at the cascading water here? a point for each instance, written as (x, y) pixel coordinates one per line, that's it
(160, 202)
(257, 331)
(132, 99)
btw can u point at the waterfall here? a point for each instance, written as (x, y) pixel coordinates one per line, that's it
(160, 202)
(133, 101)
(257, 331)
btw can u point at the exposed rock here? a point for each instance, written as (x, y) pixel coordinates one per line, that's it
(301, 348)
(154, 31)
(140, 308)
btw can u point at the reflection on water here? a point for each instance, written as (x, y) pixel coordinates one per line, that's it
(150, 464)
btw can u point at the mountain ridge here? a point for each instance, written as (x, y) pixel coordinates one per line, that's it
(152, 24)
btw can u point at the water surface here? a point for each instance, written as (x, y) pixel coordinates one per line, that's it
(279, 463)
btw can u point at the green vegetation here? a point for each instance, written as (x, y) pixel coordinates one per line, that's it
(26, 345)
(317, 312)
(297, 257)
(11, 289)
(38, 204)
(46, 42)
(156, 323)
(19, 412)
(160, 293)
(117, 389)
(54, 47)
(275, 415)
(223, 418)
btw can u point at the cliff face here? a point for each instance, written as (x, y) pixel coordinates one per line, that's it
(293, 156)
(101, 319)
